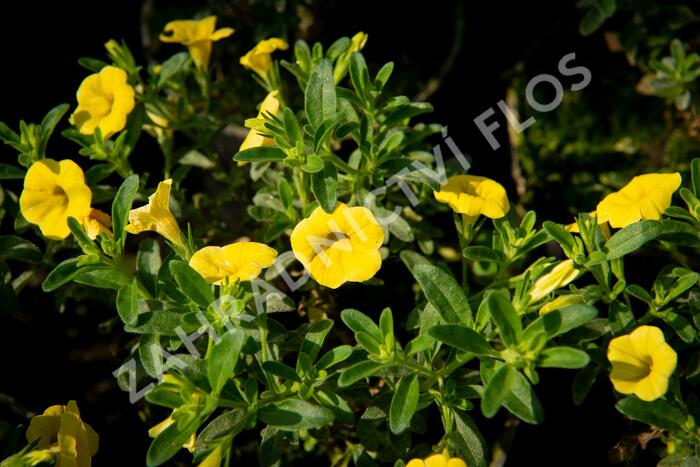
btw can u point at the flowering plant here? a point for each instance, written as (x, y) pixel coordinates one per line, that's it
(230, 295)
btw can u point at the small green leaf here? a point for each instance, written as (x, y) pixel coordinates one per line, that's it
(404, 404)
(191, 283)
(281, 370)
(358, 371)
(658, 413)
(169, 442)
(13, 247)
(497, 390)
(127, 304)
(482, 253)
(10, 172)
(313, 340)
(462, 338)
(148, 264)
(60, 275)
(360, 322)
(324, 186)
(561, 236)
(261, 154)
(122, 205)
(333, 357)
(559, 321)
(295, 415)
(563, 357)
(467, 442)
(223, 358)
(320, 96)
(506, 318)
(633, 237)
(443, 292)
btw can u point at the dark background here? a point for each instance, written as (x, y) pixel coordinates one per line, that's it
(51, 357)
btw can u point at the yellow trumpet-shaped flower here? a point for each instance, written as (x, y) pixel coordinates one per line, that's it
(259, 59)
(155, 430)
(105, 99)
(156, 216)
(562, 301)
(642, 362)
(561, 275)
(53, 192)
(214, 458)
(644, 197)
(473, 196)
(358, 42)
(254, 139)
(437, 460)
(238, 261)
(339, 247)
(97, 222)
(60, 426)
(197, 35)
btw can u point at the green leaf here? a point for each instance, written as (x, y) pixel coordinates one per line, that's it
(148, 264)
(559, 321)
(10, 172)
(324, 186)
(284, 191)
(583, 382)
(134, 127)
(295, 415)
(229, 423)
(261, 154)
(313, 164)
(506, 318)
(621, 318)
(191, 283)
(341, 409)
(223, 358)
(171, 66)
(127, 304)
(563, 357)
(122, 205)
(522, 400)
(419, 344)
(404, 404)
(561, 236)
(48, 124)
(658, 413)
(60, 275)
(632, 237)
(169, 442)
(320, 97)
(497, 390)
(281, 370)
(358, 371)
(13, 247)
(443, 292)
(360, 322)
(102, 277)
(333, 357)
(151, 354)
(682, 326)
(482, 253)
(313, 340)
(467, 442)
(462, 338)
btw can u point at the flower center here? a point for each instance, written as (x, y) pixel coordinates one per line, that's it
(60, 196)
(337, 236)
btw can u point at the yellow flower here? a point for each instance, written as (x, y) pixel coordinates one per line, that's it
(254, 139)
(61, 426)
(558, 277)
(238, 261)
(437, 460)
(642, 362)
(97, 222)
(562, 301)
(339, 247)
(644, 197)
(105, 99)
(53, 192)
(154, 431)
(259, 58)
(156, 216)
(197, 35)
(358, 42)
(472, 196)
(214, 458)
(158, 128)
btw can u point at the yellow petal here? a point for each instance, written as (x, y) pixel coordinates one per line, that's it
(238, 261)
(454, 462)
(259, 59)
(97, 222)
(561, 302)
(339, 247)
(156, 216)
(53, 192)
(473, 196)
(415, 463)
(74, 448)
(436, 460)
(560, 276)
(270, 105)
(214, 458)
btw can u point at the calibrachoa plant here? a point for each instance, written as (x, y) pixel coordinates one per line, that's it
(334, 160)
